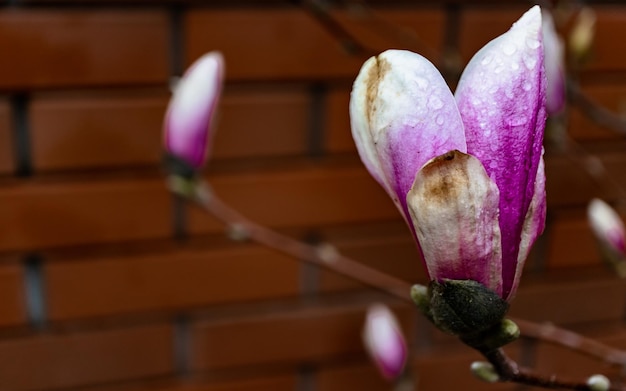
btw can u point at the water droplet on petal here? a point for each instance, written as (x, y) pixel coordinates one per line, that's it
(530, 62)
(493, 89)
(421, 82)
(532, 43)
(487, 59)
(509, 48)
(434, 102)
(514, 66)
(499, 69)
(526, 86)
(517, 120)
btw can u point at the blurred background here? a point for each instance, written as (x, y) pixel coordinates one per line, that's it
(108, 282)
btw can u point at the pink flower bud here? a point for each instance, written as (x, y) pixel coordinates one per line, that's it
(607, 225)
(191, 110)
(384, 341)
(555, 66)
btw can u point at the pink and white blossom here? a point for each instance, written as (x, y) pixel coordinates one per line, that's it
(465, 170)
(607, 225)
(192, 109)
(384, 341)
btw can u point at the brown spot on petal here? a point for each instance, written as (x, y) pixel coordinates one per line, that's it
(444, 176)
(375, 75)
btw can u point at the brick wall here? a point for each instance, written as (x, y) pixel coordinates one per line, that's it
(109, 283)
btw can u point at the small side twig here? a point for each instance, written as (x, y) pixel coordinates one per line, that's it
(509, 371)
(319, 10)
(323, 255)
(550, 333)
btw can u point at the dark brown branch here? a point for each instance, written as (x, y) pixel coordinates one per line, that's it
(558, 336)
(509, 371)
(323, 255)
(319, 10)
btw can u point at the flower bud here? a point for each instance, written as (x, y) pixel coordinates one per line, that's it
(599, 383)
(484, 371)
(465, 308)
(581, 37)
(384, 341)
(191, 110)
(607, 225)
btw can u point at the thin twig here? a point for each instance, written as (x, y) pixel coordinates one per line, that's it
(548, 332)
(509, 371)
(319, 10)
(323, 255)
(386, 29)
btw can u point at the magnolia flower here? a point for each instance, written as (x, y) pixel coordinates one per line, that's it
(191, 110)
(466, 171)
(554, 64)
(384, 341)
(607, 225)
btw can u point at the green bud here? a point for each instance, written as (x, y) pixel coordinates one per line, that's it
(598, 383)
(484, 371)
(465, 307)
(421, 297)
(493, 338)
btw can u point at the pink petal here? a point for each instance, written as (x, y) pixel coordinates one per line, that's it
(190, 111)
(384, 341)
(454, 207)
(402, 114)
(501, 97)
(534, 224)
(554, 63)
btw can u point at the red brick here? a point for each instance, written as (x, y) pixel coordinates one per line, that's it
(449, 369)
(419, 29)
(7, 157)
(282, 337)
(612, 97)
(300, 197)
(552, 359)
(353, 377)
(563, 231)
(275, 383)
(37, 214)
(288, 44)
(338, 134)
(52, 48)
(393, 255)
(167, 280)
(79, 130)
(88, 130)
(12, 300)
(70, 360)
(569, 183)
(480, 25)
(585, 295)
(609, 53)
(261, 121)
